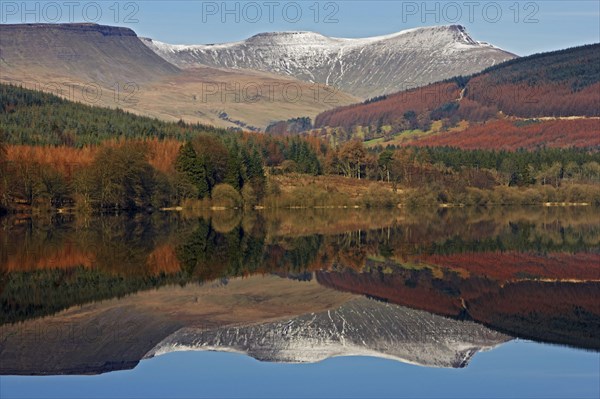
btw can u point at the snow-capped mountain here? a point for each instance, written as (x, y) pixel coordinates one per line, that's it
(361, 327)
(364, 67)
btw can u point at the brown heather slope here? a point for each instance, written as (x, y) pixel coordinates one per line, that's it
(99, 54)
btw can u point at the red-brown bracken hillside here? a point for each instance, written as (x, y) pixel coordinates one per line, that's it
(544, 100)
(512, 135)
(392, 108)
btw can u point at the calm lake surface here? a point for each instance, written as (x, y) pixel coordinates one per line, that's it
(464, 302)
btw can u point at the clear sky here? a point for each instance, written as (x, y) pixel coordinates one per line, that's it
(523, 27)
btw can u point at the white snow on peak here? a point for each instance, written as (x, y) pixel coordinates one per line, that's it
(361, 327)
(364, 67)
(445, 34)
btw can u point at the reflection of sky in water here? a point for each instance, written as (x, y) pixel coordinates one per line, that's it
(517, 368)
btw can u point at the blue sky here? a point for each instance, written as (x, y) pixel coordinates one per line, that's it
(523, 27)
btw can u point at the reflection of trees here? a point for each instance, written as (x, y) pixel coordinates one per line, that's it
(38, 293)
(293, 255)
(126, 245)
(51, 265)
(226, 220)
(208, 254)
(67, 264)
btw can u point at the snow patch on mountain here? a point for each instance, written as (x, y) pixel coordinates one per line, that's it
(364, 67)
(362, 327)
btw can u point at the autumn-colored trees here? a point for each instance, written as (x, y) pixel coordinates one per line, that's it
(226, 196)
(559, 83)
(110, 159)
(352, 159)
(116, 176)
(392, 114)
(119, 178)
(403, 107)
(32, 183)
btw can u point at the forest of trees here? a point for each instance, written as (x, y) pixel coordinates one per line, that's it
(232, 172)
(175, 164)
(205, 163)
(37, 118)
(404, 110)
(520, 167)
(55, 153)
(228, 170)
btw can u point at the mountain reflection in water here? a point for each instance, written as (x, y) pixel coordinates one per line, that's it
(428, 288)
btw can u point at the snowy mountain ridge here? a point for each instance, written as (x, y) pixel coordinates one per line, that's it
(364, 67)
(362, 327)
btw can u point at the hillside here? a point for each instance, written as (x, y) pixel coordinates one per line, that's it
(110, 66)
(364, 67)
(550, 99)
(95, 53)
(560, 83)
(38, 118)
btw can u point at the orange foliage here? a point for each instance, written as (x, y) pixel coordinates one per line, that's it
(552, 85)
(163, 260)
(65, 159)
(66, 256)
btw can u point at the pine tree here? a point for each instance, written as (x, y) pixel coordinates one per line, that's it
(256, 175)
(233, 175)
(193, 168)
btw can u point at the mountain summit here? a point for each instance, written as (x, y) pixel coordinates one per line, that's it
(361, 327)
(364, 67)
(94, 54)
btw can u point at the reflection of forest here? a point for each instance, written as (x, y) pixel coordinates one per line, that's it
(506, 267)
